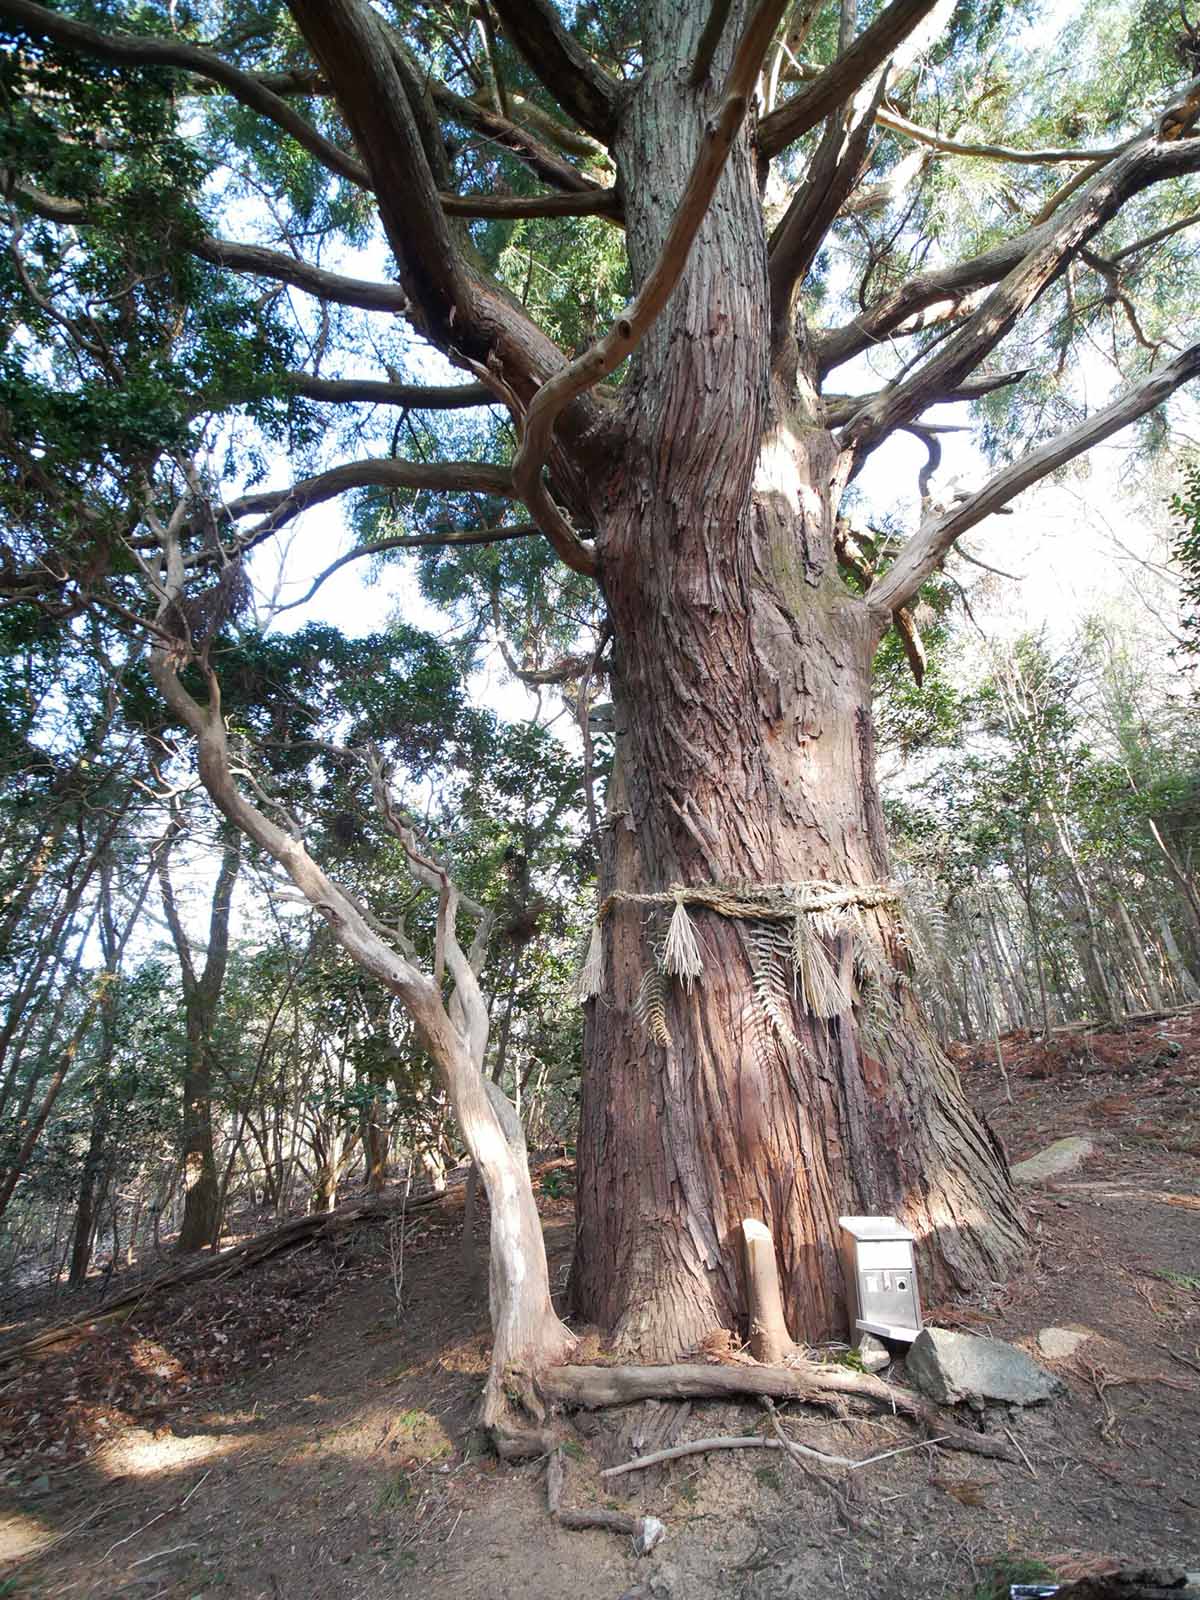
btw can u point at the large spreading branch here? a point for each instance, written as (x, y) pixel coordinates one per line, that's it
(256, 260)
(281, 506)
(260, 262)
(139, 50)
(582, 88)
(834, 171)
(585, 203)
(375, 392)
(927, 548)
(355, 50)
(957, 290)
(1050, 248)
(462, 312)
(839, 408)
(607, 353)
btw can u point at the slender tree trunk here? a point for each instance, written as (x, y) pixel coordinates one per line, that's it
(745, 753)
(376, 1139)
(85, 1210)
(1182, 973)
(202, 993)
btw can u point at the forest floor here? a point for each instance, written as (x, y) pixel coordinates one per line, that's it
(292, 1432)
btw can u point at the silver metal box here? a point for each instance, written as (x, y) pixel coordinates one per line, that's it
(881, 1278)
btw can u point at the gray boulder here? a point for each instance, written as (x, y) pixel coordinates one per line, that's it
(1057, 1159)
(950, 1367)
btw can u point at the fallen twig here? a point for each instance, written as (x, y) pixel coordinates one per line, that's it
(756, 1441)
(1184, 1360)
(158, 1554)
(1017, 1447)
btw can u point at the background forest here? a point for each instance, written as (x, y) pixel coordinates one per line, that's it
(166, 994)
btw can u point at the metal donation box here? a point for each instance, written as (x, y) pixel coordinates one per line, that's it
(881, 1278)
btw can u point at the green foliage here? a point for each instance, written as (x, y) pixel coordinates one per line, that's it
(1186, 553)
(1003, 1571)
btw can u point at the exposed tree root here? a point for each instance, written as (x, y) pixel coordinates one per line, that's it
(593, 1387)
(261, 1248)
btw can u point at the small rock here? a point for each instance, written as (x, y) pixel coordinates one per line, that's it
(1060, 1344)
(660, 1585)
(873, 1353)
(651, 1533)
(1064, 1155)
(950, 1367)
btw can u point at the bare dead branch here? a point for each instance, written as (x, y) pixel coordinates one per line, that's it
(135, 50)
(922, 554)
(582, 87)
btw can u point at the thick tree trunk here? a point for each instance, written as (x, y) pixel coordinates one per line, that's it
(742, 685)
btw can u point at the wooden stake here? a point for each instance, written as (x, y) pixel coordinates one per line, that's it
(770, 1340)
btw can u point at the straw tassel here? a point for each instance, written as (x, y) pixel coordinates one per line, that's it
(820, 991)
(681, 954)
(591, 974)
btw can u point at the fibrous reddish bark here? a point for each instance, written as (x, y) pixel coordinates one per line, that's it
(742, 682)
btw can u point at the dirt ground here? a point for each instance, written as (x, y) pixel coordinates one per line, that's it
(290, 1434)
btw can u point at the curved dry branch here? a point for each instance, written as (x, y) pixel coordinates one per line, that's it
(895, 123)
(414, 541)
(527, 1331)
(838, 82)
(924, 552)
(579, 84)
(627, 332)
(137, 50)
